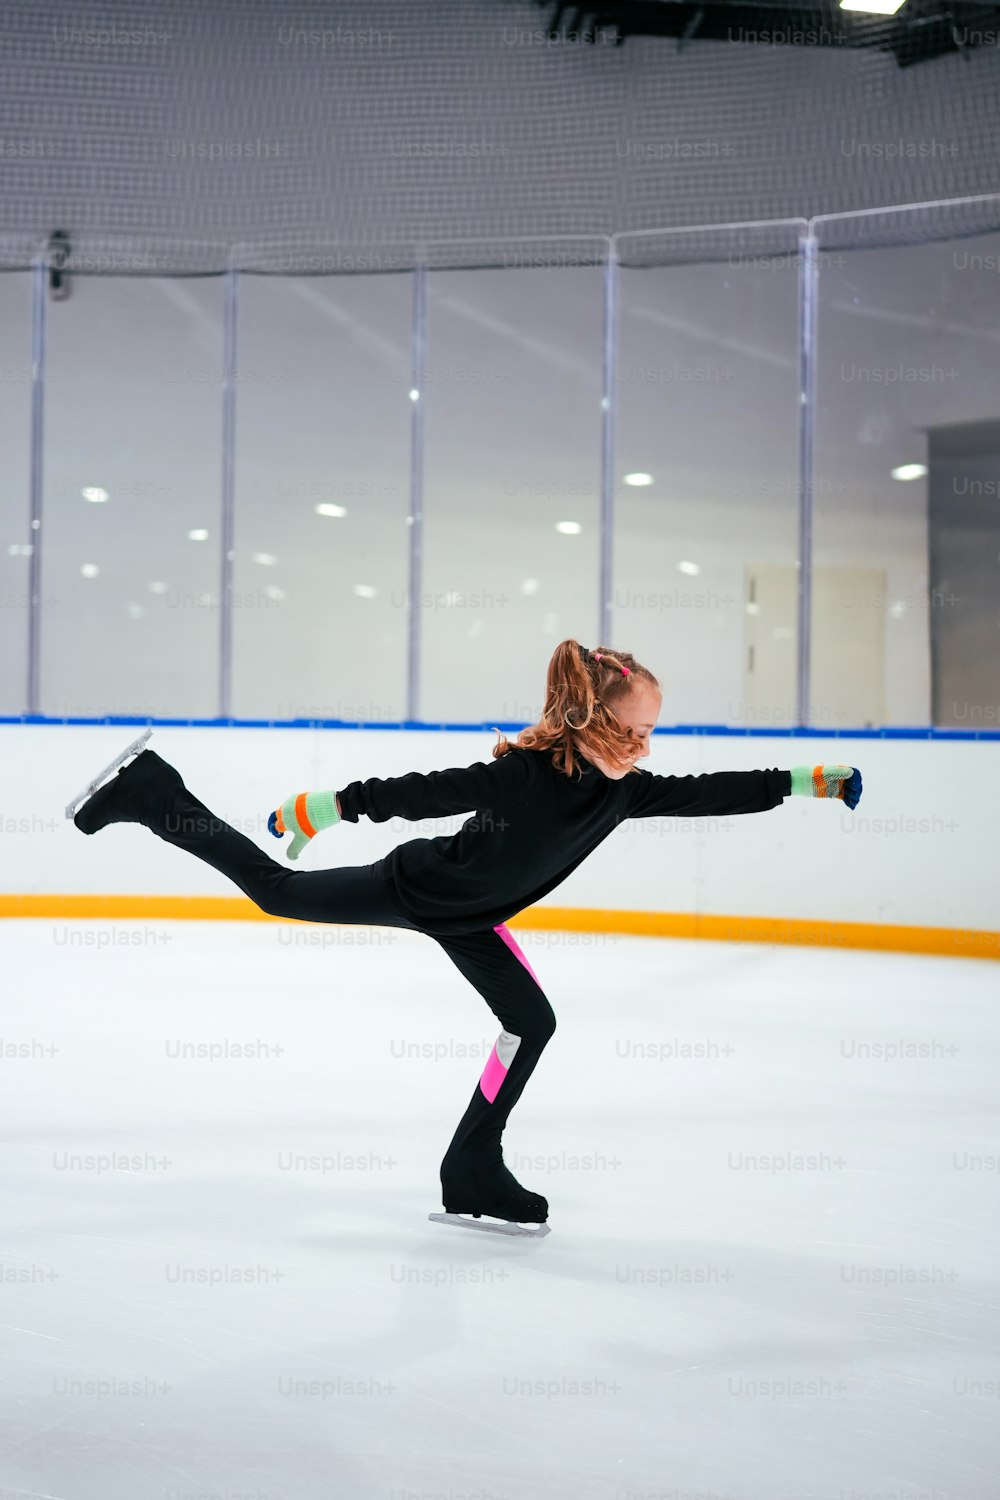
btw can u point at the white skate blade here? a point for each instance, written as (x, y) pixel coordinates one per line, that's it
(492, 1226)
(98, 780)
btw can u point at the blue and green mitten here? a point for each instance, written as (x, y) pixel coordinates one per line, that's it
(303, 816)
(827, 781)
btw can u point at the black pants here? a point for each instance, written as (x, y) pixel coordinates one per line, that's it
(356, 895)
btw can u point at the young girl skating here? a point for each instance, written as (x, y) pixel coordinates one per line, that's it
(538, 809)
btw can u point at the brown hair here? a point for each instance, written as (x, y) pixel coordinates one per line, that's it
(578, 717)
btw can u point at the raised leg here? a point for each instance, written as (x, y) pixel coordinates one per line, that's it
(151, 792)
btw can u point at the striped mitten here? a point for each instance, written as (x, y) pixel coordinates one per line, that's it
(303, 816)
(827, 781)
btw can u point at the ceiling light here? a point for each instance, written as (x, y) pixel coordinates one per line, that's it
(266, 559)
(638, 479)
(94, 494)
(529, 586)
(569, 528)
(365, 591)
(414, 395)
(135, 611)
(689, 567)
(273, 592)
(909, 471)
(330, 510)
(157, 587)
(874, 7)
(198, 535)
(90, 570)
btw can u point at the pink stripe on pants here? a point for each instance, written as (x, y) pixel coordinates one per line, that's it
(496, 1068)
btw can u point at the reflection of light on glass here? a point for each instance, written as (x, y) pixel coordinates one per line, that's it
(897, 609)
(909, 471)
(273, 592)
(529, 586)
(753, 609)
(365, 591)
(689, 567)
(638, 479)
(156, 587)
(135, 611)
(569, 528)
(90, 570)
(266, 559)
(330, 510)
(94, 494)
(198, 535)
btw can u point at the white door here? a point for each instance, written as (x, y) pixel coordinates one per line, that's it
(848, 647)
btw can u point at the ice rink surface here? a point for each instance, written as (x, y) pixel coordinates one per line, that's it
(773, 1178)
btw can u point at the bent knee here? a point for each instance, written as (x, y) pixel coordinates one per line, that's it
(271, 897)
(543, 1026)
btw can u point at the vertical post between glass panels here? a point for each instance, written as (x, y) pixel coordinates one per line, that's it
(39, 292)
(418, 362)
(609, 416)
(227, 551)
(808, 290)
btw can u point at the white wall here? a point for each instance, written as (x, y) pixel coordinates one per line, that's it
(920, 849)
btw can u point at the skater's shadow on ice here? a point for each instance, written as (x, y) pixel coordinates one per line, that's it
(436, 1281)
(711, 1279)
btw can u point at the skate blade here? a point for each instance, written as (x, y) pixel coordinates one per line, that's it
(495, 1226)
(98, 780)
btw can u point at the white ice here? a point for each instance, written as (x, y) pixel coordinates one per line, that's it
(773, 1271)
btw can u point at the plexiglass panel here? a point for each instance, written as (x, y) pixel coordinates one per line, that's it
(512, 489)
(322, 498)
(908, 471)
(906, 561)
(707, 481)
(15, 499)
(132, 473)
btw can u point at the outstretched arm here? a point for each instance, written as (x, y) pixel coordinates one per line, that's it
(727, 792)
(436, 794)
(714, 793)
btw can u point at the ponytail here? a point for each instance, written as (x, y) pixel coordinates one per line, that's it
(581, 690)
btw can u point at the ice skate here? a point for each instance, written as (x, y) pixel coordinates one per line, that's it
(88, 791)
(510, 1227)
(132, 795)
(471, 1190)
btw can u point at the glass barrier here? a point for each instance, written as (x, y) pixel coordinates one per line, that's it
(906, 563)
(15, 489)
(322, 498)
(707, 473)
(512, 483)
(705, 402)
(132, 465)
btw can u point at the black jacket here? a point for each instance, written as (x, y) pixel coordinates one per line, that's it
(531, 826)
